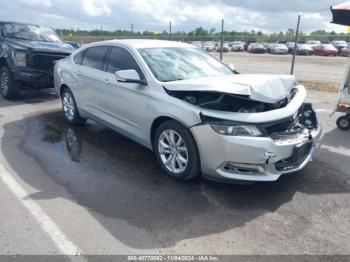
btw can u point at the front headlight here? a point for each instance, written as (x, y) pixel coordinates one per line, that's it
(236, 130)
(19, 58)
(231, 128)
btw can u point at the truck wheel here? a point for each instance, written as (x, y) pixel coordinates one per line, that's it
(9, 87)
(343, 123)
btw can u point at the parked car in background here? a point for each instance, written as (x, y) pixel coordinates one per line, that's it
(197, 44)
(267, 47)
(75, 45)
(27, 53)
(237, 46)
(186, 104)
(345, 51)
(290, 46)
(256, 48)
(313, 43)
(209, 46)
(304, 49)
(339, 44)
(326, 50)
(225, 48)
(279, 49)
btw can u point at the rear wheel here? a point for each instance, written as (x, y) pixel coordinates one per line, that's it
(9, 87)
(176, 151)
(70, 108)
(343, 123)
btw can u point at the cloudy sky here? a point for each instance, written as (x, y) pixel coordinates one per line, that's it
(154, 15)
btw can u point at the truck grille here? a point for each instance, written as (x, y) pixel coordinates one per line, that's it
(44, 62)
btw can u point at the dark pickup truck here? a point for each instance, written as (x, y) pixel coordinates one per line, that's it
(27, 55)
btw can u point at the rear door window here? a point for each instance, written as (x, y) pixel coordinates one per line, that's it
(94, 57)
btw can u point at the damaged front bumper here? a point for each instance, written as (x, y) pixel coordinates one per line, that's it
(263, 158)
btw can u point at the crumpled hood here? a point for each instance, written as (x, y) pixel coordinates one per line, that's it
(56, 47)
(264, 88)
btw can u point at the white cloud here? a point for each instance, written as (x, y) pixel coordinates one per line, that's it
(53, 16)
(96, 7)
(154, 15)
(46, 3)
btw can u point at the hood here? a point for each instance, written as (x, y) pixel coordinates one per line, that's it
(40, 46)
(263, 88)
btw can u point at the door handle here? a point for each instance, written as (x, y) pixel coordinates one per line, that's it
(79, 73)
(106, 80)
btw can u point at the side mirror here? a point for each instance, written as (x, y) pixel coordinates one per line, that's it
(129, 76)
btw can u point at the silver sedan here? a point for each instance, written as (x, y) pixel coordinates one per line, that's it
(197, 114)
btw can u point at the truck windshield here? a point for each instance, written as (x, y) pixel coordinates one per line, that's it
(171, 64)
(29, 32)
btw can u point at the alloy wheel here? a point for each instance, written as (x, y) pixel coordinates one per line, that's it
(173, 151)
(68, 106)
(4, 83)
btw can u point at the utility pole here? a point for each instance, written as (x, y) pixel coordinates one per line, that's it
(101, 32)
(79, 37)
(132, 29)
(295, 45)
(170, 30)
(222, 39)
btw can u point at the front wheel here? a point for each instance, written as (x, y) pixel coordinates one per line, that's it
(176, 151)
(9, 87)
(343, 123)
(70, 108)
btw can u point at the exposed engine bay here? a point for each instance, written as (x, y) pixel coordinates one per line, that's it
(229, 102)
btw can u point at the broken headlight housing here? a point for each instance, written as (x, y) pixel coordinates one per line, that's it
(19, 58)
(231, 128)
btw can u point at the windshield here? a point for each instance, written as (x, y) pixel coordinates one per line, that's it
(30, 32)
(174, 63)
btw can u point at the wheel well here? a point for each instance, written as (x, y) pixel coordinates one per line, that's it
(3, 62)
(62, 88)
(156, 123)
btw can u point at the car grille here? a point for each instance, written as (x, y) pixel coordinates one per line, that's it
(44, 62)
(282, 126)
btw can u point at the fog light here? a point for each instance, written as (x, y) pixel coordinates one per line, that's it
(243, 168)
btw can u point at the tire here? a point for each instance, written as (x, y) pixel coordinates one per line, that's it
(186, 149)
(69, 107)
(9, 87)
(343, 123)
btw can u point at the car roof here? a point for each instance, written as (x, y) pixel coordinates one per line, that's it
(143, 43)
(16, 23)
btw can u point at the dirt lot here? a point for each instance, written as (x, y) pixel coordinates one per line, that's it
(323, 73)
(107, 195)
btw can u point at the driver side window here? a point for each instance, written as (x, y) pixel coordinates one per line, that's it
(121, 59)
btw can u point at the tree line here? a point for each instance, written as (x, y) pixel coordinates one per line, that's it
(203, 34)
